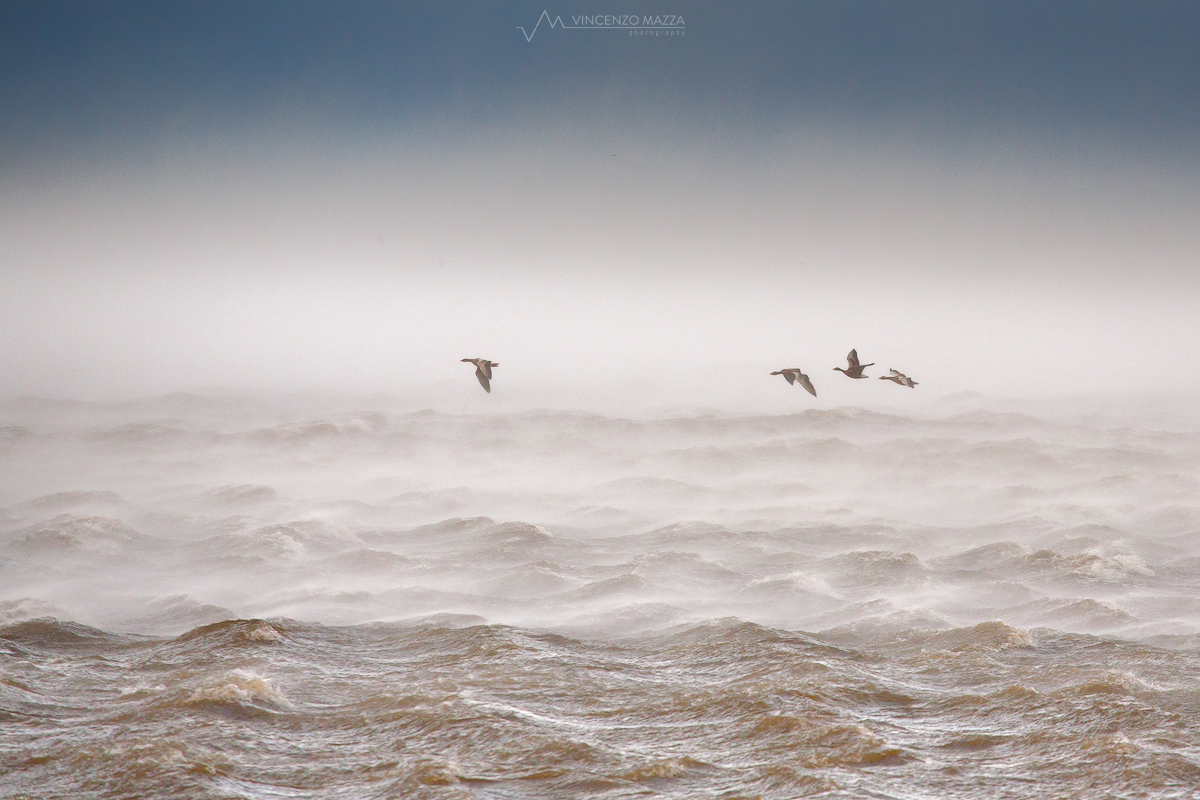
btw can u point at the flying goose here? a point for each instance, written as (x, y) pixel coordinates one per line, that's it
(900, 379)
(855, 370)
(794, 374)
(483, 371)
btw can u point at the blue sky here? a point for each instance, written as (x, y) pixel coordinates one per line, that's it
(122, 74)
(319, 194)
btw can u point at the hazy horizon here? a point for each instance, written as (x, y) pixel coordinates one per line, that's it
(307, 198)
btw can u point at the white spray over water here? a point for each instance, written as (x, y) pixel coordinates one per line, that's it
(161, 515)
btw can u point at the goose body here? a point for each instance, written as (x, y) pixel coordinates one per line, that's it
(900, 379)
(854, 369)
(793, 375)
(483, 371)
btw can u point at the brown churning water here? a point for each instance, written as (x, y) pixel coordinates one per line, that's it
(218, 599)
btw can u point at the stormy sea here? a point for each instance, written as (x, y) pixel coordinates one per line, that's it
(209, 597)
